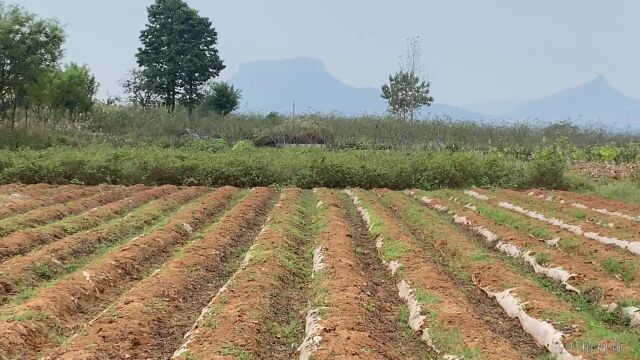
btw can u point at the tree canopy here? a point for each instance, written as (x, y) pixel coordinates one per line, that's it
(178, 53)
(406, 91)
(29, 49)
(222, 98)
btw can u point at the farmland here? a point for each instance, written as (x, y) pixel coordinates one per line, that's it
(115, 272)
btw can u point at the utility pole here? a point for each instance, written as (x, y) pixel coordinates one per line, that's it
(293, 113)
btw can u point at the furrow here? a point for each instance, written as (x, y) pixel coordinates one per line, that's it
(56, 311)
(603, 258)
(436, 308)
(21, 242)
(56, 212)
(557, 273)
(581, 201)
(60, 195)
(256, 314)
(20, 274)
(166, 303)
(559, 322)
(573, 273)
(576, 213)
(346, 318)
(631, 246)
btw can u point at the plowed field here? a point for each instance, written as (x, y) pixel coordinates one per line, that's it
(111, 272)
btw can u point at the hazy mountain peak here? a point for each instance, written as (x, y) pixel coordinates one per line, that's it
(274, 85)
(291, 65)
(595, 101)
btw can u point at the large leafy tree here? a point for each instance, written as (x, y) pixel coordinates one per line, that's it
(178, 53)
(29, 49)
(406, 91)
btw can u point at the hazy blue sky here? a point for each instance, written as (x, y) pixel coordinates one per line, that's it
(474, 50)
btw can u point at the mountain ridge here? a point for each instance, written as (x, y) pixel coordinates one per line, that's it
(274, 85)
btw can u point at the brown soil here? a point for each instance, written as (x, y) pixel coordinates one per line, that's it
(18, 272)
(572, 261)
(586, 257)
(460, 308)
(362, 321)
(261, 297)
(20, 242)
(6, 189)
(17, 194)
(168, 302)
(623, 229)
(61, 308)
(596, 202)
(57, 212)
(60, 195)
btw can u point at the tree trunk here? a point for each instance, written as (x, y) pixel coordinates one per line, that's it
(13, 116)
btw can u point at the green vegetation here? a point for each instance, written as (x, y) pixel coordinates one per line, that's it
(628, 190)
(32, 83)
(221, 98)
(247, 166)
(178, 53)
(626, 270)
(239, 353)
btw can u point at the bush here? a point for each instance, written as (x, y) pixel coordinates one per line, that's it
(294, 133)
(547, 169)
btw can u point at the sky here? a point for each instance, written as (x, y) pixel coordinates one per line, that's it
(473, 51)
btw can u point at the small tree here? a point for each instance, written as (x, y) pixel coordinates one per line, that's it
(74, 90)
(138, 89)
(406, 92)
(222, 98)
(178, 53)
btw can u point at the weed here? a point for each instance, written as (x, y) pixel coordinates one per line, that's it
(231, 350)
(43, 271)
(424, 297)
(626, 270)
(542, 258)
(392, 250)
(569, 243)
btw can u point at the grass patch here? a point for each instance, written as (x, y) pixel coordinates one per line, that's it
(238, 352)
(289, 333)
(481, 256)
(392, 250)
(624, 269)
(542, 258)
(29, 315)
(427, 298)
(569, 243)
(579, 214)
(627, 191)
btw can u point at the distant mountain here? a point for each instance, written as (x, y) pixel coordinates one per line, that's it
(273, 85)
(593, 102)
(497, 107)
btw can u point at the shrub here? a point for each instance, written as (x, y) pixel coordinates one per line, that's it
(212, 163)
(547, 169)
(294, 133)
